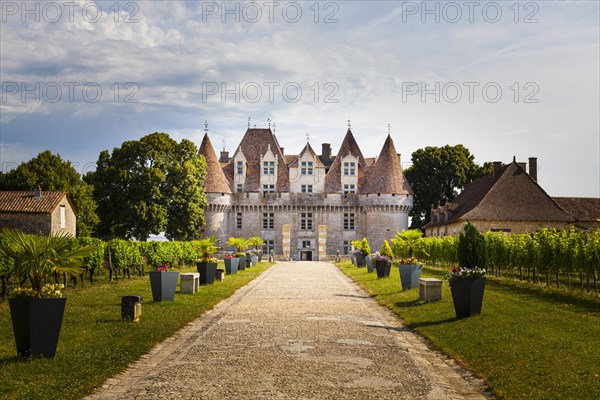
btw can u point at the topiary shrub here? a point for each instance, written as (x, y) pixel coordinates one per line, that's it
(471, 248)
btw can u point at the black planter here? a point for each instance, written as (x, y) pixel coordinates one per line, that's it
(163, 285)
(242, 264)
(36, 324)
(248, 261)
(260, 257)
(467, 295)
(361, 261)
(207, 271)
(409, 275)
(383, 268)
(231, 265)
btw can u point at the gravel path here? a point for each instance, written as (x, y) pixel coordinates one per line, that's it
(301, 330)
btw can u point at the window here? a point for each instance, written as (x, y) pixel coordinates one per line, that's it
(238, 221)
(268, 189)
(306, 168)
(63, 217)
(268, 167)
(349, 221)
(306, 244)
(268, 221)
(307, 189)
(268, 245)
(349, 169)
(239, 188)
(349, 188)
(306, 221)
(345, 247)
(240, 167)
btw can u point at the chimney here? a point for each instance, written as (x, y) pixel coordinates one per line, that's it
(224, 157)
(399, 159)
(37, 193)
(282, 150)
(325, 151)
(523, 166)
(533, 168)
(497, 168)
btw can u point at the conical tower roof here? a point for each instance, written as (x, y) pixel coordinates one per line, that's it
(386, 176)
(333, 182)
(215, 178)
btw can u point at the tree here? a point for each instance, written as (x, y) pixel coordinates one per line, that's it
(51, 172)
(439, 173)
(149, 186)
(471, 248)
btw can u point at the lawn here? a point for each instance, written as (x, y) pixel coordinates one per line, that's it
(529, 342)
(95, 344)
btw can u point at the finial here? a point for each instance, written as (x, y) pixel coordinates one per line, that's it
(514, 159)
(205, 126)
(273, 127)
(269, 122)
(248, 122)
(307, 137)
(349, 126)
(389, 129)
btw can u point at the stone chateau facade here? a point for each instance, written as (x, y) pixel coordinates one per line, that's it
(305, 206)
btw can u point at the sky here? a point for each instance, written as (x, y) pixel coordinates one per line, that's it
(502, 78)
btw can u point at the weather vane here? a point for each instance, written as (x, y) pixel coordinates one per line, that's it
(248, 122)
(307, 137)
(205, 126)
(349, 126)
(389, 129)
(273, 127)
(269, 122)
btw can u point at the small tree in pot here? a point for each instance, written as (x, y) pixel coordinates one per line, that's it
(256, 242)
(408, 245)
(37, 312)
(383, 260)
(467, 282)
(207, 266)
(363, 247)
(240, 245)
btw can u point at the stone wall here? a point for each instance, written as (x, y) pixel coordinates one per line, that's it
(27, 222)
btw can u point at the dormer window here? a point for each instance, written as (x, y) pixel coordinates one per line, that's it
(349, 188)
(349, 169)
(240, 167)
(306, 168)
(268, 167)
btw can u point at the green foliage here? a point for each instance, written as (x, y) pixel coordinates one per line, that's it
(471, 248)
(95, 260)
(255, 241)
(37, 256)
(439, 173)
(365, 248)
(206, 248)
(386, 250)
(148, 186)
(408, 244)
(52, 173)
(240, 243)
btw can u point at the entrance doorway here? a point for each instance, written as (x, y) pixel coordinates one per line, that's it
(306, 255)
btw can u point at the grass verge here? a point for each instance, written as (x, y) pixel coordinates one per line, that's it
(95, 344)
(528, 343)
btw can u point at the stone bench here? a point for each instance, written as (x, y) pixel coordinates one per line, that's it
(189, 283)
(430, 289)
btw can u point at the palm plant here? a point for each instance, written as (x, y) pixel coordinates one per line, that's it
(408, 243)
(255, 241)
(206, 248)
(240, 243)
(37, 256)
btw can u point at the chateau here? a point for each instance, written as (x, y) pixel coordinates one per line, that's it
(306, 206)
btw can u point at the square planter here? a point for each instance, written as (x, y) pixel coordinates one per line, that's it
(207, 271)
(409, 275)
(163, 285)
(248, 261)
(36, 325)
(242, 263)
(231, 265)
(370, 264)
(352, 259)
(467, 295)
(254, 259)
(383, 269)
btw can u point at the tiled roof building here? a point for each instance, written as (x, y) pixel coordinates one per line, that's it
(37, 212)
(510, 200)
(306, 206)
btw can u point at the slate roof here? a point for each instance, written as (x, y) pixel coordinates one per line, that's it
(511, 195)
(585, 209)
(215, 182)
(386, 176)
(333, 182)
(25, 202)
(254, 144)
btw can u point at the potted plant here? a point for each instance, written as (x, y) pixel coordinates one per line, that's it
(371, 261)
(383, 265)
(256, 242)
(407, 245)
(207, 266)
(467, 282)
(37, 312)
(240, 246)
(163, 283)
(231, 264)
(364, 251)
